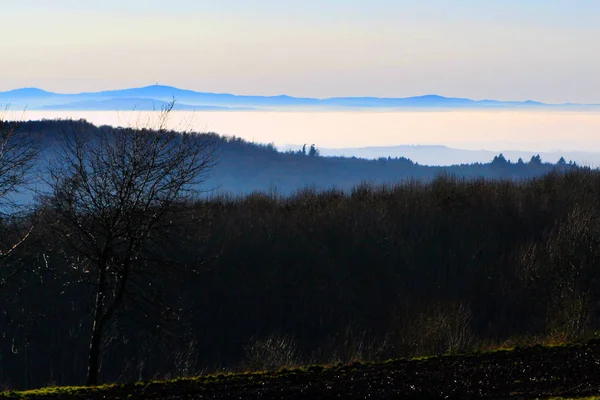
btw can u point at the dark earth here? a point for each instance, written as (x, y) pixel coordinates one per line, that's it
(531, 372)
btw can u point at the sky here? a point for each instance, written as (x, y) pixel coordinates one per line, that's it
(545, 50)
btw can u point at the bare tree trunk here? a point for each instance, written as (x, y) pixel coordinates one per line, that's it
(94, 355)
(97, 328)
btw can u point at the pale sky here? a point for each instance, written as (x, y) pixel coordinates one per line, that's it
(546, 50)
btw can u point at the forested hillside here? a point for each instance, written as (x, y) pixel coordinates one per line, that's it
(263, 281)
(244, 167)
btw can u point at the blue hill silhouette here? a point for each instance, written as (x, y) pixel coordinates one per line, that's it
(149, 96)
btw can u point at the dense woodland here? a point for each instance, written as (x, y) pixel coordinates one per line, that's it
(443, 264)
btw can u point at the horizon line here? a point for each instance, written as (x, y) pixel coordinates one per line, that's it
(431, 95)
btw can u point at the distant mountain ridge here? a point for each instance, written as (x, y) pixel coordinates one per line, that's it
(142, 99)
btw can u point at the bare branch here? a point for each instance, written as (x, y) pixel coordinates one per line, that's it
(18, 153)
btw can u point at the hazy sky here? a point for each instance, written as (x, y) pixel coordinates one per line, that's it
(547, 50)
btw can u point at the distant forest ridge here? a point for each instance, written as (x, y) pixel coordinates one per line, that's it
(156, 96)
(446, 156)
(244, 167)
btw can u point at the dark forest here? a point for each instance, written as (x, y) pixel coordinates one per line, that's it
(299, 259)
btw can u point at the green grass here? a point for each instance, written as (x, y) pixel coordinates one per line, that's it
(139, 387)
(575, 398)
(135, 388)
(56, 391)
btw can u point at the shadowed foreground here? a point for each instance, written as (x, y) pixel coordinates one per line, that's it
(532, 372)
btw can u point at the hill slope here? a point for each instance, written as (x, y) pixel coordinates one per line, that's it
(245, 167)
(521, 373)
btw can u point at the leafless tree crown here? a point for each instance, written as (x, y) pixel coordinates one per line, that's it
(18, 153)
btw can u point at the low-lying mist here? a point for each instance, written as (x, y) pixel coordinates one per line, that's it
(496, 130)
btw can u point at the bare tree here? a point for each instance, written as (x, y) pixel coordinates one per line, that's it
(18, 153)
(112, 191)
